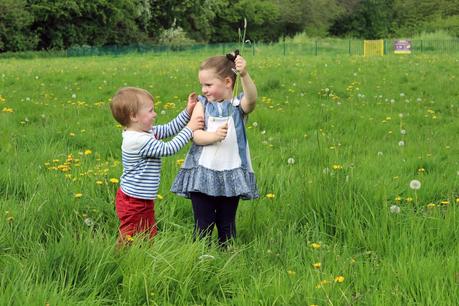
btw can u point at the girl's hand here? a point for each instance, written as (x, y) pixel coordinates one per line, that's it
(221, 132)
(192, 100)
(241, 65)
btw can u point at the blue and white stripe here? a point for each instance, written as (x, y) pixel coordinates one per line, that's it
(142, 152)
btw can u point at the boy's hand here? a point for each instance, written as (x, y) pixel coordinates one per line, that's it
(241, 65)
(222, 131)
(196, 123)
(192, 100)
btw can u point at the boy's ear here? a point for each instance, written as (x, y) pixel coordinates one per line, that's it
(133, 117)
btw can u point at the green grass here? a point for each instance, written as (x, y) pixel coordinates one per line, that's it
(338, 118)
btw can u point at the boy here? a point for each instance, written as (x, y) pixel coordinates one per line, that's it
(142, 150)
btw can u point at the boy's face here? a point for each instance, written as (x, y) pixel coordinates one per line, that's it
(145, 117)
(213, 87)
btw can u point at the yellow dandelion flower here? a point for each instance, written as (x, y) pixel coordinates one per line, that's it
(409, 199)
(7, 110)
(87, 152)
(444, 202)
(339, 279)
(270, 195)
(315, 245)
(78, 195)
(99, 182)
(179, 162)
(431, 205)
(72, 134)
(398, 198)
(337, 167)
(421, 170)
(159, 197)
(129, 238)
(317, 265)
(291, 273)
(457, 200)
(114, 180)
(322, 283)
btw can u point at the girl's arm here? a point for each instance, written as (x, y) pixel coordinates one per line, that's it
(203, 138)
(249, 99)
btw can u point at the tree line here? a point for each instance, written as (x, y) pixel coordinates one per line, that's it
(60, 24)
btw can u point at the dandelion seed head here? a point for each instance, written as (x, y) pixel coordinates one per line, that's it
(291, 161)
(89, 222)
(415, 184)
(395, 209)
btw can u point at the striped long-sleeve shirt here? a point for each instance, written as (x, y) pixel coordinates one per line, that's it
(141, 154)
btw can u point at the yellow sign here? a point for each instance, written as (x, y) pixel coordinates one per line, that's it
(373, 47)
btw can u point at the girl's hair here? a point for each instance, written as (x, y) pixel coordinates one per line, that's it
(222, 65)
(126, 102)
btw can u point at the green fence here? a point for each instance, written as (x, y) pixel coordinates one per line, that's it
(327, 46)
(312, 47)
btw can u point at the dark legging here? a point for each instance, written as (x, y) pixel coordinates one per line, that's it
(209, 211)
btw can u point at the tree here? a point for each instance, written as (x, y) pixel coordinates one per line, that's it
(15, 21)
(262, 21)
(63, 23)
(369, 19)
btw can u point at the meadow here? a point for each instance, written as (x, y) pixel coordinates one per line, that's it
(335, 143)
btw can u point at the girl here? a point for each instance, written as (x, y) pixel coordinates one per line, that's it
(217, 171)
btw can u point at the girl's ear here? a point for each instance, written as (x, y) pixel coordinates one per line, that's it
(228, 82)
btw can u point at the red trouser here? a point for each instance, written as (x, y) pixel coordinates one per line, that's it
(136, 215)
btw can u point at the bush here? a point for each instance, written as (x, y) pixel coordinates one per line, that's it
(175, 38)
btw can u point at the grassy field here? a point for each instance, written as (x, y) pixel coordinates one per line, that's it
(335, 143)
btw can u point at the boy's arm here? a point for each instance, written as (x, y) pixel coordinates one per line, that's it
(201, 137)
(157, 148)
(173, 127)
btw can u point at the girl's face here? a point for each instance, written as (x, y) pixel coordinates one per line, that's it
(213, 87)
(145, 117)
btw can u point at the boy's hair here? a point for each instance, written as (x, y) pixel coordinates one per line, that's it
(222, 66)
(126, 103)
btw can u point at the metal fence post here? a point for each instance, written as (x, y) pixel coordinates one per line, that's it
(284, 44)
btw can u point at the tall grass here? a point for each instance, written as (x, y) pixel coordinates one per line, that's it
(325, 145)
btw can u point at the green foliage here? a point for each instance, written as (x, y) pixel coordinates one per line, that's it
(61, 24)
(175, 38)
(15, 21)
(449, 24)
(262, 21)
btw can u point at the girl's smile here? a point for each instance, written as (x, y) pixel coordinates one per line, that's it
(214, 88)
